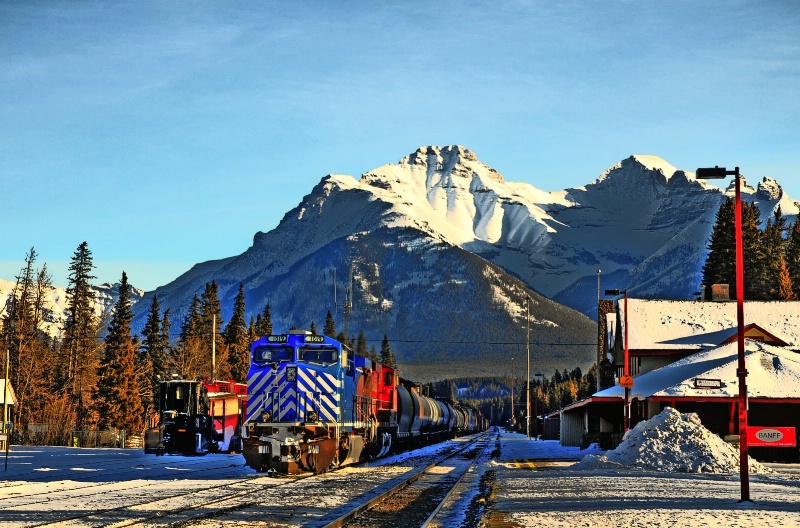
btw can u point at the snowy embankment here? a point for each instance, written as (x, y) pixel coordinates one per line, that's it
(672, 442)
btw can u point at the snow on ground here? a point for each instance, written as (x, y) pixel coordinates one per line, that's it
(672, 441)
(545, 494)
(519, 482)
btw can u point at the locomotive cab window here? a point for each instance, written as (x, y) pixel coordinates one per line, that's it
(320, 356)
(178, 398)
(273, 354)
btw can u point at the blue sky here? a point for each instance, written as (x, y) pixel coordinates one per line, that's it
(169, 133)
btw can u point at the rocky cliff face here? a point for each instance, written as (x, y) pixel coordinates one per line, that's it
(440, 243)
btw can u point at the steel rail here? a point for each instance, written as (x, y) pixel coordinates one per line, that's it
(405, 481)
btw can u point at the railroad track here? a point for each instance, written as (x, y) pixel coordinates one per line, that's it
(199, 497)
(417, 499)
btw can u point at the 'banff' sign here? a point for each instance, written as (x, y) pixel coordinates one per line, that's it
(760, 436)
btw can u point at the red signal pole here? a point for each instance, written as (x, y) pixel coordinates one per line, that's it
(626, 371)
(741, 370)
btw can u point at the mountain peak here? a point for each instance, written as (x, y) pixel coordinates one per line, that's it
(448, 155)
(654, 163)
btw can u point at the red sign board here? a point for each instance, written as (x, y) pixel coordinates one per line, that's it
(763, 436)
(626, 381)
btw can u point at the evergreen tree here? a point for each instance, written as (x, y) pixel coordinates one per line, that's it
(190, 326)
(361, 345)
(117, 398)
(188, 360)
(785, 289)
(237, 339)
(773, 260)
(753, 252)
(264, 322)
(210, 310)
(373, 354)
(251, 331)
(387, 358)
(793, 256)
(720, 266)
(330, 326)
(26, 342)
(154, 357)
(165, 336)
(80, 348)
(313, 328)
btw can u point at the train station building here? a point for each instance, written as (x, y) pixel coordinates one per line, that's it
(684, 354)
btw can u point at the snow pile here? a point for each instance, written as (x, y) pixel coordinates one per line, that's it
(671, 442)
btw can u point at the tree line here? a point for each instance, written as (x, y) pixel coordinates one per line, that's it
(98, 374)
(771, 256)
(494, 396)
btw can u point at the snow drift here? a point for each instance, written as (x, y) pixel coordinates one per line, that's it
(671, 442)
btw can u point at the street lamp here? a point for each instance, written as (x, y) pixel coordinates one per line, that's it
(714, 174)
(626, 380)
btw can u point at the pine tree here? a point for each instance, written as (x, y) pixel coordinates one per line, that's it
(117, 398)
(330, 326)
(785, 291)
(313, 328)
(387, 358)
(793, 256)
(373, 354)
(187, 360)
(26, 342)
(772, 248)
(753, 252)
(720, 266)
(236, 339)
(190, 324)
(264, 322)
(361, 345)
(80, 347)
(210, 310)
(154, 356)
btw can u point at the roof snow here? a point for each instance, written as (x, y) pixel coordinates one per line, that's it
(773, 372)
(659, 324)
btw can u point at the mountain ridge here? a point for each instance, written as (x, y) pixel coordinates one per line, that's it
(462, 229)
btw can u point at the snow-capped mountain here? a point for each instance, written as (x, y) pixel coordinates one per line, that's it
(105, 295)
(441, 245)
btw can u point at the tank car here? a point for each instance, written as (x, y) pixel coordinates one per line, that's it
(198, 417)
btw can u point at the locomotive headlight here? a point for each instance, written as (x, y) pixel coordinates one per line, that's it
(312, 416)
(266, 416)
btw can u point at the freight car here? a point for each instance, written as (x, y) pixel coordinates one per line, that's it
(198, 417)
(315, 405)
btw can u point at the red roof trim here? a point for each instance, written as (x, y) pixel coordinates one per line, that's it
(774, 339)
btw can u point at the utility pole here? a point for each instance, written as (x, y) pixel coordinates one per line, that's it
(528, 348)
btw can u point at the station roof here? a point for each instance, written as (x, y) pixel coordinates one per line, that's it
(686, 325)
(773, 372)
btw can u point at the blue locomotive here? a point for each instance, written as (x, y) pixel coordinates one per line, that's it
(313, 404)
